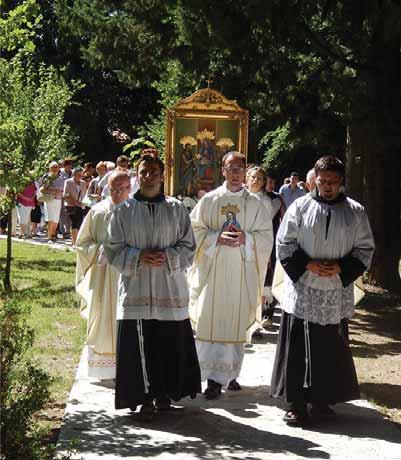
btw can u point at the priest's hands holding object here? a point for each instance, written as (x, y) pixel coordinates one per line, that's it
(232, 238)
(152, 257)
(324, 268)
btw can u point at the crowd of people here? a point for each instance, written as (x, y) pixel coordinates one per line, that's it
(171, 298)
(56, 203)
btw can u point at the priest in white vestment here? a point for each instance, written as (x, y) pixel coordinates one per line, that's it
(97, 281)
(233, 231)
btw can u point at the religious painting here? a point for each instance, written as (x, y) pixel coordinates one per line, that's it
(230, 224)
(200, 131)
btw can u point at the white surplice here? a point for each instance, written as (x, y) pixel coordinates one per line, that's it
(227, 283)
(97, 284)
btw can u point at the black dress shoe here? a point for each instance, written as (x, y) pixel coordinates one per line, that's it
(147, 411)
(163, 403)
(213, 390)
(234, 386)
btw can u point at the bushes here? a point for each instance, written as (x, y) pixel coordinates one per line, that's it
(24, 387)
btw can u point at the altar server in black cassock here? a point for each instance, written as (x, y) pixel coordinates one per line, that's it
(324, 244)
(151, 243)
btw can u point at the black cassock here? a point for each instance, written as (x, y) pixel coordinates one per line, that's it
(159, 356)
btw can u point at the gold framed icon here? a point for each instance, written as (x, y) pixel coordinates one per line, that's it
(201, 129)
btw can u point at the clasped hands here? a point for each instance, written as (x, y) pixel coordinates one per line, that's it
(324, 268)
(153, 257)
(233, 237)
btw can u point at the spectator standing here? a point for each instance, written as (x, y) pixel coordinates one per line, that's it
(26, 202)
(290, 192)
(64, 226)
(74, 193)
(278, 210)
(92, 194)
(122, 165)
(311, 180)
(51, 186)
(89, 170)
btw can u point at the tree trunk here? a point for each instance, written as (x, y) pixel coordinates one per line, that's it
(374, 136)
(381, 197)
(354, 160)
(7, 274)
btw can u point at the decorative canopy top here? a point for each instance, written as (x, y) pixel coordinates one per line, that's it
(208, 99)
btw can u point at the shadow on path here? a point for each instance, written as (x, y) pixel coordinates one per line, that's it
(192, 431)
(230, 426)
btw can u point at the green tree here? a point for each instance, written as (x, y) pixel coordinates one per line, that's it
(33, 101)
(23, 385)
(306, 67)
(360, 41)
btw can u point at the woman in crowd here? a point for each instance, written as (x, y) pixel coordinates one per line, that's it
(51, 192)
(92, 194)
(74, 193)
(26, 202)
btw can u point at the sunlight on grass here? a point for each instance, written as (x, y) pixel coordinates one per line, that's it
(44, 278)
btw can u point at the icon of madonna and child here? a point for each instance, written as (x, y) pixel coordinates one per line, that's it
(200, 162)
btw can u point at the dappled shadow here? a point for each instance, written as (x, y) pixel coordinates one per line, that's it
(100, 432)
(373, 350)
(385, 394)
(192, 431)
(359, 422)
(239, 425)
(379, 314)
(44, 264)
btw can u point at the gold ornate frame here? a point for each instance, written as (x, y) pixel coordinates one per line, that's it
(204, 104)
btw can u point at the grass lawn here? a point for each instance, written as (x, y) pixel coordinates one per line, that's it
(44, 278)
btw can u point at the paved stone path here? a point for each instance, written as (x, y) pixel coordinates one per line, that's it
(243, 425)
(240, 425)
(61, 244)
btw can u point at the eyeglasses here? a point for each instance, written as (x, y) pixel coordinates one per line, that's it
(119, 190)
(234, 170)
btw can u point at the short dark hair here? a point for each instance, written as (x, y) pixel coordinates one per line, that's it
(150, 159)
(122, 159)
(330, 163)
(235, 155)
(150, 151)
(294, 173)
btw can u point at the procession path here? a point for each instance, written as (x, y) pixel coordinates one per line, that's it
(239, 425)
(243, 425)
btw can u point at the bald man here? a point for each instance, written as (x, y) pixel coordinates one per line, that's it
(97, 281)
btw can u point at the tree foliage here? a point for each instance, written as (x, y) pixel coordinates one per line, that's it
(23, 385)
(33, 101)
(317, 76)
